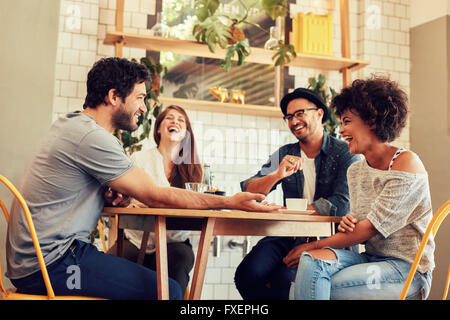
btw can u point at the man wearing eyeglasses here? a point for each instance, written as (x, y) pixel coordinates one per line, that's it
(314, 168)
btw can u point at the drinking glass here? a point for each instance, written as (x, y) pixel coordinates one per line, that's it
(196, 186)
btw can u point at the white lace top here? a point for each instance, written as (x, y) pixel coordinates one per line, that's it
(398, 204)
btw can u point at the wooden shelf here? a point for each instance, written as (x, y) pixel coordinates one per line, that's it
(223, 107)
(257, 55)
(343, 64)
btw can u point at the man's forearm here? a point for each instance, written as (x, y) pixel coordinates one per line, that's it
(180, 198)
(137, 184)
(263, 185)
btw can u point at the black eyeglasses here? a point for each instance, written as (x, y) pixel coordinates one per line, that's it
(297, 114)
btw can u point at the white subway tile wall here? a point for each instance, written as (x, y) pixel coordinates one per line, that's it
(235, 145)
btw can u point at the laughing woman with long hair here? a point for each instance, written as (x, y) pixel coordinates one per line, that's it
(173, 162)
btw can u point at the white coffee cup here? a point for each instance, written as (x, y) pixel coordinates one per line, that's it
(296, 204)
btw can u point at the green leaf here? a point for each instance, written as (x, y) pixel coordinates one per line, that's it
(312, 83)
(321, 80)
(156, 111)
(285, 53)
(333, 93)
(226, 63)
(197, 32)
(240, 48)
(205, 8)
(211, 44)
(318, 85)
(212, 32)
(240, 57)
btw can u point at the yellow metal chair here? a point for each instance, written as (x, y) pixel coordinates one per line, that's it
(432, 228)
(5, 211)
(11, 294)
(102, 234)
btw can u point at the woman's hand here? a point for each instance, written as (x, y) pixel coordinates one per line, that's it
(347, 223)
(293, 257)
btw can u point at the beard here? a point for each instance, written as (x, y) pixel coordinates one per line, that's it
(302, 137)
(124, 120)
(309, 130)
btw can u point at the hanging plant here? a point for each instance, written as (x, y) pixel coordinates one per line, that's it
(224, 31)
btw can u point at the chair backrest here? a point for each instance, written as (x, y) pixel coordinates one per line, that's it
(32, 230)
(102, 235)
(5, 211)
(432, 228)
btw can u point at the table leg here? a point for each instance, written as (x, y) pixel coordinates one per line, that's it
(161, 258)
(143, 248)
(120, 239)
(113, 230)
(202, 258)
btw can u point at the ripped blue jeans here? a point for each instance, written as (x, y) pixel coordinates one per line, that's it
(356, 276)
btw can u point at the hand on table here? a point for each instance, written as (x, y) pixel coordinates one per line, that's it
(248, 202)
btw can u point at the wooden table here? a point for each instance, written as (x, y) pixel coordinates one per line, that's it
(211, 222)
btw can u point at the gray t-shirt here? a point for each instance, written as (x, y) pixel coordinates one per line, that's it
(63, 187)
(398, 204)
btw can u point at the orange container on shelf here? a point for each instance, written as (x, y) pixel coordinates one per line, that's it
(313, 34)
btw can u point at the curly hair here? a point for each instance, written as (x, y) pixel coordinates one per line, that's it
(378, 101)
(113, 73)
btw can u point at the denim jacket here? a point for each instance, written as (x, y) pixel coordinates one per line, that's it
(331, 197)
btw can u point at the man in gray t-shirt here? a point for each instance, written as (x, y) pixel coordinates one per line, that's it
(64, 186)
(64, 190)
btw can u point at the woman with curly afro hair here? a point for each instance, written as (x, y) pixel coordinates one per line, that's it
(390, 206)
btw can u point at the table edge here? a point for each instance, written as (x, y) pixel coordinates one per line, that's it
(208, 213)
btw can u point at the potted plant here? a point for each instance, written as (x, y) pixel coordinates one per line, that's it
(213, 32)
(318, 85)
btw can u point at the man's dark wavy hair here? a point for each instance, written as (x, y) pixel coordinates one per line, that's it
(113, 73)
(378, 101)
